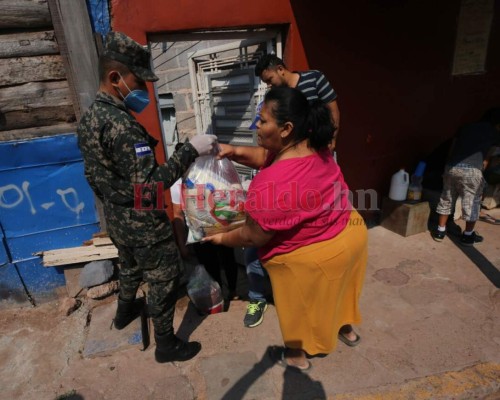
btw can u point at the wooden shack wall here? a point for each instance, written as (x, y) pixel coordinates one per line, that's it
(35, 98)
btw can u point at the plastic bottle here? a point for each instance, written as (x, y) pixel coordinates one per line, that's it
(399, 185)
(415, 187)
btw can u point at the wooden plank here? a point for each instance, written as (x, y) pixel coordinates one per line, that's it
(14, 71)
(77, 46)
(39, 131)
(101, 234)
(36, 117)
(105, 241)
(27, 44)
(25, 14)
(34, 95)
(74, 34)
(73, 255)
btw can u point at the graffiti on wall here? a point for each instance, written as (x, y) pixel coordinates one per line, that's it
(45, 203)
(12, 195)
(45, 198)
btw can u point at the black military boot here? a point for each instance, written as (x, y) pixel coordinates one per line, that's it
(127, 311)
(171, 348)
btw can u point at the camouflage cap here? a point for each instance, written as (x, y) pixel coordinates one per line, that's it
(120, 47)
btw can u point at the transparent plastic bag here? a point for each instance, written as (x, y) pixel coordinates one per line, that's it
(212, 197)
(204, 291)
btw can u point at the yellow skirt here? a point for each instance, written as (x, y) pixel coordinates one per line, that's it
(316, 288)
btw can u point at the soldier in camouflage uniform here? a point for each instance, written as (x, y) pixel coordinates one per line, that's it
(121, 168)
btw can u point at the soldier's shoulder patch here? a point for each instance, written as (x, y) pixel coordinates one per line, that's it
(142, 149)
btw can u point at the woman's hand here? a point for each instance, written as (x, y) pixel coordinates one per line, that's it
(248, 235)
(226, 150)
(214, 239)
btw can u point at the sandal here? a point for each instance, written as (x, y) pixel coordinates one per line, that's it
(350, 343)
(277, 355)
(488, 218)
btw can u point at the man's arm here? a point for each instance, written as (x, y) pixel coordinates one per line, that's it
(328, 96)
(140, 164)
(491, 152)
(334, 110)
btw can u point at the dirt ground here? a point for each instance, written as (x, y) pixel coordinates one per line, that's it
(36, 344)
(41, 357)
(430, 331)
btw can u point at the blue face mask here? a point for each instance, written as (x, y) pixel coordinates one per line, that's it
(135, 100)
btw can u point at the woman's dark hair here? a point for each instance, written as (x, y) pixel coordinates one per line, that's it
(310, 121)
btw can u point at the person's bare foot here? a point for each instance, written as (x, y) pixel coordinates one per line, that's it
(348, 333)
(296, 358)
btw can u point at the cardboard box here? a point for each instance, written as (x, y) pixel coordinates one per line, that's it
(405, 218)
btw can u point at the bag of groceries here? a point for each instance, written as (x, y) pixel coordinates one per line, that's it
(204, 291)
(212, 197)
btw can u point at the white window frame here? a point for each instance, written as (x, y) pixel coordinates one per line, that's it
(200, 89)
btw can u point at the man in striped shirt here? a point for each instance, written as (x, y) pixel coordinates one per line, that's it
(273, 71)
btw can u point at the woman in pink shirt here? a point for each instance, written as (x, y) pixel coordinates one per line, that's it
(311, 241)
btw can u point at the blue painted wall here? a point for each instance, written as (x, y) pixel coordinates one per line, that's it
(4, 257)
(45, 203)
(11, 286)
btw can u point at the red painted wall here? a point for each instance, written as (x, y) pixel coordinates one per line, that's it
(389, 60)
(138, 18)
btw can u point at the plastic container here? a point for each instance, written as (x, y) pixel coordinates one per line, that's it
(217, 308)
(415, 188)
(419, 171)
(399, 185)
(204, 291)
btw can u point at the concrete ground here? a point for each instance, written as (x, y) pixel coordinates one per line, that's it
(431, 330)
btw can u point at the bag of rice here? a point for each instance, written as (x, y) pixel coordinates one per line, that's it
(212, 197)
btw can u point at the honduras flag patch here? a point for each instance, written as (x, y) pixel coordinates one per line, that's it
(142, 149)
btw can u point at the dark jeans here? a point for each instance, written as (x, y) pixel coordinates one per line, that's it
(257, 275)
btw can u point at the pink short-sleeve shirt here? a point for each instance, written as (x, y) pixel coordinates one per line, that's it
(304, 200)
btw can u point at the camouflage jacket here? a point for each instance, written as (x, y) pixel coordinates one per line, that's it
(121, 169)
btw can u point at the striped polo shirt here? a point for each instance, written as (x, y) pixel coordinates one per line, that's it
(315, 86)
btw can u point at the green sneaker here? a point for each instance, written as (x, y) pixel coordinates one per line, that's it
(255, 313)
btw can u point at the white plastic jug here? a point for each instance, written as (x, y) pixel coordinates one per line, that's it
(399, 185)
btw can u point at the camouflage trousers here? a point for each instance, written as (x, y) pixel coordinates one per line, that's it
(158, 265)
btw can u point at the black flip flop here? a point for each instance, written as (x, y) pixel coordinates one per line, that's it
(350, 343)
(489, 219)
(277, 355)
